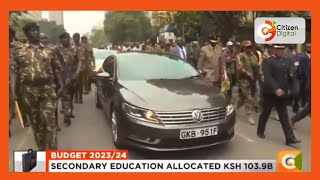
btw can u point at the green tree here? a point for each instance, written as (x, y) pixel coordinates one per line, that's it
(98, 37)
(127, 26)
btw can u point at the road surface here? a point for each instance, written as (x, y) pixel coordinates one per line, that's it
(91, 131)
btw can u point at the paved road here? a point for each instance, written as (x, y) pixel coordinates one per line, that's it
(90, 130)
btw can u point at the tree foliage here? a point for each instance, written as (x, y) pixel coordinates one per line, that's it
(128, 26)
(98, 37)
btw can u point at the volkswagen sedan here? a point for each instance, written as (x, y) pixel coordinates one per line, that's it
(160, 102)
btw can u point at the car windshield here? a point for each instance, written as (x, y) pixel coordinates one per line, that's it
(100, 55)
(143, 66)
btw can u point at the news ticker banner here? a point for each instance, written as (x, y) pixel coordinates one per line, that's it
(117, 161)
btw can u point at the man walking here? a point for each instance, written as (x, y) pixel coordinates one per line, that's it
(79, 84)
(277, 74)
(246, 68)
(210, 62)
(71, 64)
(36, 87)
(179, 50)
(88, 65)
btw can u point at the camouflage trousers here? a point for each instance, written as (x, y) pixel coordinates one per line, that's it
(40, 104)
(67, 100)
(85, 75)
(245, 96)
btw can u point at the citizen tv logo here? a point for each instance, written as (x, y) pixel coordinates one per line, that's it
(279, 30)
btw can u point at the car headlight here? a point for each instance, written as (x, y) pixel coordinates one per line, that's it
(229, 109)
(140, 114)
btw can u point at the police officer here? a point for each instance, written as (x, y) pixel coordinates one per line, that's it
(33, 66)
(210, 62)
(246, 68)
(230, 58)
(277, 72)
(68, 57)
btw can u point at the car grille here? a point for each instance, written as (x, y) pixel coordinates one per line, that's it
(185, 117)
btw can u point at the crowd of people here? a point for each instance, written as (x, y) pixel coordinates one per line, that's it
(268, 77)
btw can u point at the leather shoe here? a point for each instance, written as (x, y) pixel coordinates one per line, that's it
(292, 141)
(261, 135)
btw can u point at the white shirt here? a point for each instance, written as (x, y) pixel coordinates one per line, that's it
(182, 52)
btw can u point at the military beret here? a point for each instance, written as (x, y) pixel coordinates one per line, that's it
(84, 37)
(29, 26)
(76, 34)
(64, 35)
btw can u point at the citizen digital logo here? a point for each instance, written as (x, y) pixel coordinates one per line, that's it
(197, 115)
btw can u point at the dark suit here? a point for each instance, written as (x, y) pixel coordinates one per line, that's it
(305, 74)
(277, 74)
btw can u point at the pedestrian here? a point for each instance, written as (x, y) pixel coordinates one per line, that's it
(79, 83)
(179, 49)
(68, 57)
(210, 62)
(277, 74)
(36, 87)
(88, 65)
(305, 74)
(230, 59)
(154, 47)
(246, 67)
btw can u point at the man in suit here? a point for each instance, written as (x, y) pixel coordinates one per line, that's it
(179, 49)
(305, 74)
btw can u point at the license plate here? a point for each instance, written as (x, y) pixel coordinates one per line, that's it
(198, 133)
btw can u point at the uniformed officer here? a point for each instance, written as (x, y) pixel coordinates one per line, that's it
(210, 62)
(79, 84)
(230, 58)
(68, 57)
(88, 65)
(44, 40)
(246, 67)
(34, 66)
(277, 73)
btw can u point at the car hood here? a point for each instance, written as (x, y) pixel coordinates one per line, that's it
(172, 95)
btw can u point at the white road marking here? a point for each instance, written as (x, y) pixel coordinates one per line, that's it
(244, 137)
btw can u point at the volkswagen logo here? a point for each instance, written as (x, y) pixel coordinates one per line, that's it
(197, 115)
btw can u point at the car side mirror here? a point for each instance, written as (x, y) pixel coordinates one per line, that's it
(104, 75)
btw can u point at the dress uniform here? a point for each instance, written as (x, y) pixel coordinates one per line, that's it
(246, 68)
(278, 71)
(33, 64)
(211, 63)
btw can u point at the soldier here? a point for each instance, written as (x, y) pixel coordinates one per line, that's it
(79, 84)
(210, 62)
(34, 67)
(278, 72)
(44, 40)
(88, 65)
(68, 58)
(245, 66)
(230, 58)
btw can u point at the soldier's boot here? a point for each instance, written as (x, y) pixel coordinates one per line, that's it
(80, 101)
(67, 121)
(251, 121)
(76, 101)
(72, 115)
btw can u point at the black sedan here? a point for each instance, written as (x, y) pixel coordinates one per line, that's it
(160, 102)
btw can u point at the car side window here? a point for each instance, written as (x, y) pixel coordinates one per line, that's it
(109, 65)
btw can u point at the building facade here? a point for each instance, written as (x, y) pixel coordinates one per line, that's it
(56, 16)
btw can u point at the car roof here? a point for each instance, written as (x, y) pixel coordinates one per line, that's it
(139, 53)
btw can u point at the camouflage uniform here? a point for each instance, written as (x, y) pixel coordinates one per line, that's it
(68, 59)
(34, 66)
(246, 68)
(81, 48)
(87, 67)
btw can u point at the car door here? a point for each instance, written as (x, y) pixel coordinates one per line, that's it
(107, 84)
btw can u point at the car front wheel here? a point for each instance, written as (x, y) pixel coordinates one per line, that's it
(116, 130)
